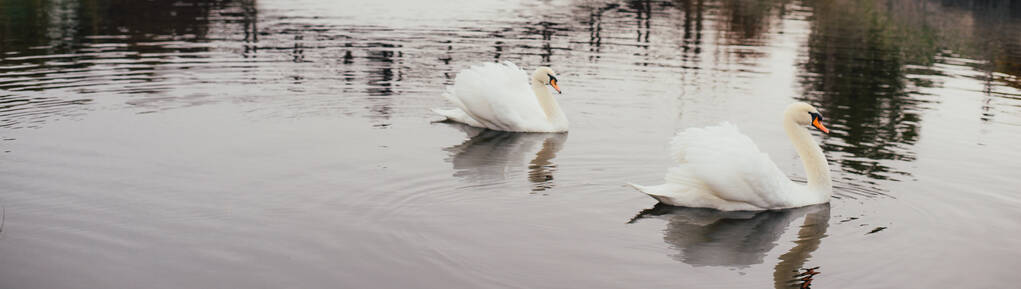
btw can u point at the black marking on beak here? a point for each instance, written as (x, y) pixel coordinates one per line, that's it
(817, 122)
(553, 83)
(815, 116)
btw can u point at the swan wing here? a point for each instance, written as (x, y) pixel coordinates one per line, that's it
(683, 188)
(730, 165)
(497, 96)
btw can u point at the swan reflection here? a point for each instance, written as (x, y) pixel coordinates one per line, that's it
(705, 237)
(491, 156)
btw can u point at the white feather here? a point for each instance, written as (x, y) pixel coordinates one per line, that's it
(723, 169)
(458, 115)
(498, 96)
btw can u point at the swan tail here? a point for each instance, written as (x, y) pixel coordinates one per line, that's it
(682, 188)
(637, 187)
(457, 115)
(648, 190)
(660, 192)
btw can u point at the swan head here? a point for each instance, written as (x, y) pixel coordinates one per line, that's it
(546, 76)
(805, 114)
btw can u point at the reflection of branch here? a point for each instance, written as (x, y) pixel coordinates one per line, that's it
(809, 238)
(3, 218)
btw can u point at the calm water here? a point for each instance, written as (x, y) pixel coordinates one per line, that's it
(289, 144)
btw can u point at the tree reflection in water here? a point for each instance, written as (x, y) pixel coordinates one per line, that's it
(857, 81)
(863, 62)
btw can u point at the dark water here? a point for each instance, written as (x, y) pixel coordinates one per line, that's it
(289, 144)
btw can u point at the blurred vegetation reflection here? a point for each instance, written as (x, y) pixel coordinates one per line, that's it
(862, 62)
(114, 46)
(864, 65)
(855, 60)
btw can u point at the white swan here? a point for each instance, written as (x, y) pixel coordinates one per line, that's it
(496, 96)
(722, 169)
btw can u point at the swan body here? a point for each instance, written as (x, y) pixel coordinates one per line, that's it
(721, 168)
(501, 96)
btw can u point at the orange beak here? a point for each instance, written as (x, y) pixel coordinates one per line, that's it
(553, 83)
(817, 124)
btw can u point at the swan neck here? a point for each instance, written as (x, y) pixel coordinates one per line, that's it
(816, 168)
(547, 102)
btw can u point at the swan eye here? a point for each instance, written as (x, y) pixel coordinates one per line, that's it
(552, 78)
(815, 116)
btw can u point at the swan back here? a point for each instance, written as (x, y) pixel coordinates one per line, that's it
(723, 169)
(731, 166)
(497, 95)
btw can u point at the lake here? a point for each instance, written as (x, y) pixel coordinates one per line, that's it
(290, 144)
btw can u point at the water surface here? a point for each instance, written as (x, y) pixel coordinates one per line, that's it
(290, 144)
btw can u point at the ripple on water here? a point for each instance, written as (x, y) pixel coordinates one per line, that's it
(924, 113)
